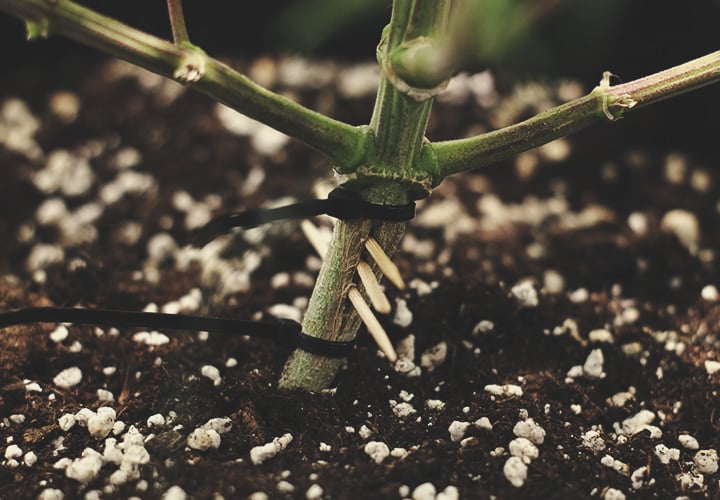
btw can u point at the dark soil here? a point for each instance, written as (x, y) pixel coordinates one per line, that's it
(463, 258)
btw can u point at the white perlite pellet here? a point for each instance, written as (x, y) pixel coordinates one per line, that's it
(457, 430)
(403, 316)
(51, 494)
(525, 294)
(510, 390)
(69, 377)
(593, 366)
(151, 338)
(259, 454)
(155, 420)
(377, 450)
(424, 491)
(635, 424)
(515, 471)
(530, 430)
(221, 425)
(174, 493)
(688, 442)
(101, 422)
(593, 440)
(613, 494)
(684, 225)
(434, 356)
(706, 461)
(710, 293)
(665, 454)
(59, 334)
(402, 410)
(616, 465)
(86, 468)
(212, 373)
(712, 366)
(314, 492)
(202, 439)
(524, 449)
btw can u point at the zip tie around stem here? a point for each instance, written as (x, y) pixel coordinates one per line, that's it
(280, 329)
(340, 203)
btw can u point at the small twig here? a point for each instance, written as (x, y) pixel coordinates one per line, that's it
(386, 265)
(177, 22)
(372, 324)
(375, 292)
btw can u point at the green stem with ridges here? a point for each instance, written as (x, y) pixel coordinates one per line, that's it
(341, 143)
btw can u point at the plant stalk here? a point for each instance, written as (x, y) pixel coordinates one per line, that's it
(604, 102)
(341, 143)
(177, 22)
(398, 125)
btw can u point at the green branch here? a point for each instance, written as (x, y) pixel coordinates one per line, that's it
(604, 102)
(343, 144)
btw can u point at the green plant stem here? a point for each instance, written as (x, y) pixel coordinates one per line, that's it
(177, 22)
(339, 142)
(604, 102)
(398, 126)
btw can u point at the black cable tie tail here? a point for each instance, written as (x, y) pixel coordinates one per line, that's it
(281, 330)
(341, 203)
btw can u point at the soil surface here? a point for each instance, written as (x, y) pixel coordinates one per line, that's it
(562, 315)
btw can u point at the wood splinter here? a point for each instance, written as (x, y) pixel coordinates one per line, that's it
(386, 265)
(372, 324)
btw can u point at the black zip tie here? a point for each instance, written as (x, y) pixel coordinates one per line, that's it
(340, 203)
(280, 329)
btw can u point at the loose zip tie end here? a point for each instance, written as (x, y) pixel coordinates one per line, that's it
(280, 330)
(340, 203)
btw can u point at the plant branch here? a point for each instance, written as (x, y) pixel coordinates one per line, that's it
(604, 102)
(177, 22)
(343, 144)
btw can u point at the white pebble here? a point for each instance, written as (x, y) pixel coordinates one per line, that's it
(221, 425)
(515, 471)
(69, 377)
(636, 423)
(377, 450)
(13, 451)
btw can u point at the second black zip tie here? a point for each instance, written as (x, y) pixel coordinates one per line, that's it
(284, 330)
(340, 203)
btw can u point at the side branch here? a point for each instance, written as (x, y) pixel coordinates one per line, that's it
(341, 143)
(604, 102)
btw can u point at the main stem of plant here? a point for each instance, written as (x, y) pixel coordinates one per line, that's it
(398, 126)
